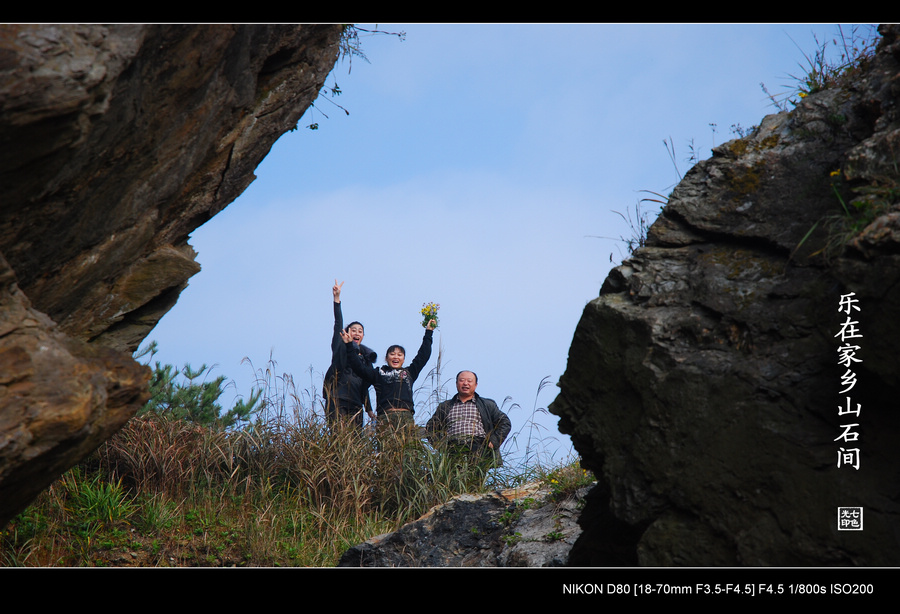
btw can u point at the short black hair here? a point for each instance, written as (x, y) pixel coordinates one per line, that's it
(467, 371)
(355, 322)
(392, 348)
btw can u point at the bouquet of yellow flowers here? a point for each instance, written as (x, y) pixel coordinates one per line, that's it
(429, 312)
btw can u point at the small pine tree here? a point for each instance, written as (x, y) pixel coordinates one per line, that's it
(193, 397)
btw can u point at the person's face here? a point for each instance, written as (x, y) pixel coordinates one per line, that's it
(356, 333)
(395, 358)
(466, 384)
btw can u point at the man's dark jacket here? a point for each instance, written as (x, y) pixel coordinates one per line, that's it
(496, 423)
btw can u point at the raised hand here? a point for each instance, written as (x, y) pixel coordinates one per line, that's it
(336, 291)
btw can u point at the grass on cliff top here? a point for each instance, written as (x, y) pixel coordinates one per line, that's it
(281, 489)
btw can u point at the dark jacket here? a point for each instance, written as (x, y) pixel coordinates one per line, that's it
(496, 424)
(393, 387)
(341, 381)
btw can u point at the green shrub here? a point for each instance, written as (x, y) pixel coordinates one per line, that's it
(188, 394)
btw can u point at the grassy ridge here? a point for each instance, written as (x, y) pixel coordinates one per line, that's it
(281, 489)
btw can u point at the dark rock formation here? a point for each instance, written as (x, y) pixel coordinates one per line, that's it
(116, 142)
(703, 385)
(518, 527)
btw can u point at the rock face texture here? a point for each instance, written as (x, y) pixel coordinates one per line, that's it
(705, 386)
(521, 527)
(116, 142)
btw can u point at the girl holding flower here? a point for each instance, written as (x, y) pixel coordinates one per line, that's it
(393, 382)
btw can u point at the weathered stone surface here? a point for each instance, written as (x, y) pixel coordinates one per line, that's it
(543, 534)
(60, 397)
(116, 142)
(120, 140)
(703, 384)
(521, 527)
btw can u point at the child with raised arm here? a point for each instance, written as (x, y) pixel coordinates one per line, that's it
(346, 393)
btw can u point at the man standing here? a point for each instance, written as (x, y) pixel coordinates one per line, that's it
(470, 424)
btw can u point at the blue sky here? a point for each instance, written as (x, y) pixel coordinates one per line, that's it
(477, 167)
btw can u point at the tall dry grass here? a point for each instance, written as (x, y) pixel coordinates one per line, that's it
(286, 489)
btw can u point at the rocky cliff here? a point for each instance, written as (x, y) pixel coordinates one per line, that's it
(726, 396)
(117, 142)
